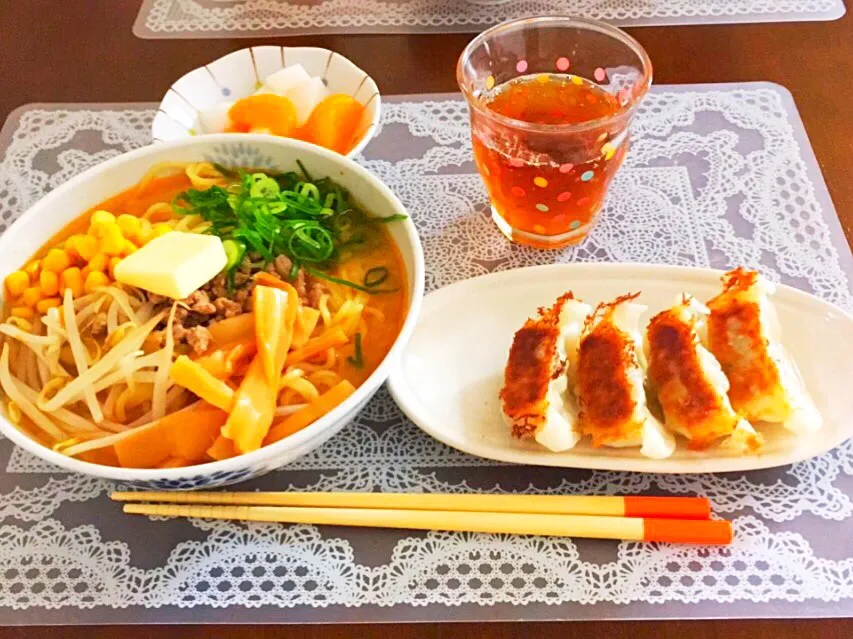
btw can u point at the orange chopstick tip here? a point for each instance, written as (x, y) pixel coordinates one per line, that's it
(668, 507)
(679, 531)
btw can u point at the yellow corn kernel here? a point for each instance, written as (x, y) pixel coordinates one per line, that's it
(23, 312)
(102, 217)
(87, 247)
(17, 282)
(81, 247)
(128, 248)
(161, 228)
(50, 302)
(129, 225)
(95, 280)
(146, 232)
(49, 282)
(112, 241)
(71, 245)
(114, 261)
(71, 278)
(56, 260)
(98, 263)
(100, 223)
(31, 296)
(32, 269)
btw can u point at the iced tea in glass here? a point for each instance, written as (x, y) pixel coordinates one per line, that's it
(551, 102)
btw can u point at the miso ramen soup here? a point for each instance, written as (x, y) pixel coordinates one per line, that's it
(310, 300)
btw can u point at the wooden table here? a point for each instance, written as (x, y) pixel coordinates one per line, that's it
(84, 51)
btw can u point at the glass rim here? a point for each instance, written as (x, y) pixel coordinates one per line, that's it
(585, 23)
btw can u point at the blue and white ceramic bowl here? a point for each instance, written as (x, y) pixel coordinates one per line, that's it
(50, 215)
(240, 73)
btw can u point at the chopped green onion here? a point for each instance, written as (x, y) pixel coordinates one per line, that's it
(357, 358)
(234, 252)
(310, 242)
(305, 172)
(397, 217)
(309, 221)
(263, 186)
(309, 190)
(343, 282)
(375, 276)
(336, 280)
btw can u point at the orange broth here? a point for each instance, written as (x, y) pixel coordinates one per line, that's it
(381, 331)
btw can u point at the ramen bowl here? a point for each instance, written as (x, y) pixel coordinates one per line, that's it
(240, 73)
(57, 210)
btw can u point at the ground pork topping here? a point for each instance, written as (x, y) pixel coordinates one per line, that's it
(216, 301)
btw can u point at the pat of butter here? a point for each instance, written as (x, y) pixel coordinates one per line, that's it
(175, 264)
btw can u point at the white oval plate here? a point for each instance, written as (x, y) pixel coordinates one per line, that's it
(448, 377)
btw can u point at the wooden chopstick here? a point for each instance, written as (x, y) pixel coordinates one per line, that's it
(596, 527)
(639, 507)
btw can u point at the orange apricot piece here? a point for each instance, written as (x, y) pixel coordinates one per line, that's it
(333, 123)
(265, 112)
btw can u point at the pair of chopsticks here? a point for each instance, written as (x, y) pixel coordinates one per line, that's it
(668, 519)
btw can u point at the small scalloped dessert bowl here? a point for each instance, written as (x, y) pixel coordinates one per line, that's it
(240, 73)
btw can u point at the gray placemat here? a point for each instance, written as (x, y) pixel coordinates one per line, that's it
(247, 18)
(717, 175)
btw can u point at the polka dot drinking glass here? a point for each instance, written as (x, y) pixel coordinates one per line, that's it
(551, 102)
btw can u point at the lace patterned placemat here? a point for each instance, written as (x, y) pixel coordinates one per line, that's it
(244, 18)
(717, 176)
